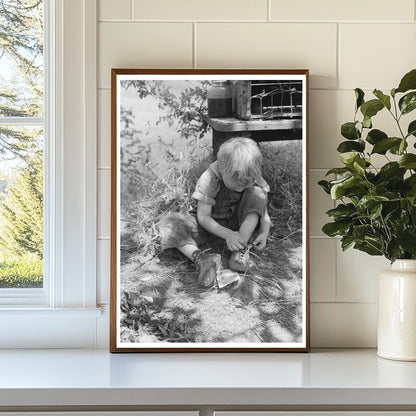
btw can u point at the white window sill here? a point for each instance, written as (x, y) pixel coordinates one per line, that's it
(36, 312)
(40, 327)
(331, 379)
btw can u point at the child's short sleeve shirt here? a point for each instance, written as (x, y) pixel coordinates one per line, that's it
(209, 183)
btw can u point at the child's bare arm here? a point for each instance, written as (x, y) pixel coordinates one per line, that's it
(233, 239)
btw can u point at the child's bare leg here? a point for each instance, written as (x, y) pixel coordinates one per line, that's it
(207, 263)
(188, 250)
(248, 226)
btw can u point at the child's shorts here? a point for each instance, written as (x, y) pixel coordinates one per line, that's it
(179, 229)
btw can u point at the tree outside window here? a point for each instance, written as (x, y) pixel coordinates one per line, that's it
(21, 143)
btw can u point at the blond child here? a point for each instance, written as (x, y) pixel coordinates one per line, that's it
(232, 205)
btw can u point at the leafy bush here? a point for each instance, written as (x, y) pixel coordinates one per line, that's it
(21, 271)
(377, 206)
(21, 212)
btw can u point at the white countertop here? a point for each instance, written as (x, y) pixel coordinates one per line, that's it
(96, 377)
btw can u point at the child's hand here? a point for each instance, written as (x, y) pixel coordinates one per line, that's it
(234, 241)
(260, 241)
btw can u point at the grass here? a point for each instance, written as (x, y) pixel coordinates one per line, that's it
(25, 271)
(161, 299)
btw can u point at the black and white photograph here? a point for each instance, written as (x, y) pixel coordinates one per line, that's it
(209, 224)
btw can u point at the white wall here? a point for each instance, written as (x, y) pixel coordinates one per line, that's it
(345, 44)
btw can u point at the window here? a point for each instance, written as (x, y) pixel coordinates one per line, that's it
(63, 313)
(22, 131)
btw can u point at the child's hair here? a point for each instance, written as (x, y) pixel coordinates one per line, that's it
(240, 159)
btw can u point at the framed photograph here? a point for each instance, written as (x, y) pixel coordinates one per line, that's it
(209, 214)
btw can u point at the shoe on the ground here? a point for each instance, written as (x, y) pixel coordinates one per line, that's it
(208, 265)
(240, 261)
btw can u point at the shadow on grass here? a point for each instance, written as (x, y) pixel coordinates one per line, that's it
(265, 306)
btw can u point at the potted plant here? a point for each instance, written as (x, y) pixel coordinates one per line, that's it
(376, 209)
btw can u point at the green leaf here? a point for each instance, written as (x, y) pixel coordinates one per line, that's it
(407, 240)
(333, 229)
(361, 231)
(368, 248)
(338, 188)
(371, 108)
(408, 102)
(350, 131)
(338, 171)
(398, 149)
(408, 82)
(359, 165)
(402, 147)
(342, 211)
(325, 186)
(349, 146)
(367, 122)
(349, 158)
(346, 242)
(375, 135)
(408, 161)
(391, 170)
(359, 95)
(383, 145)
(411, 130)
(375, 211)
(385, 99)
(369, 201)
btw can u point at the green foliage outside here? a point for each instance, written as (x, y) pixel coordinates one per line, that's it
(21, 271)
(376, 212)
(21, 230)
(21, 148)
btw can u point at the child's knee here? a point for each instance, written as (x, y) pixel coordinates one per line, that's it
(255, 192)
(175, 230)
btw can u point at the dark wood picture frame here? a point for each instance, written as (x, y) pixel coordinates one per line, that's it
(125, 339)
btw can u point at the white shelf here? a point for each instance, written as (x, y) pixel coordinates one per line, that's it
(58, 378)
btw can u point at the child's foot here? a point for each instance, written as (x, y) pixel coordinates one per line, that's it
(208, 264)
(240, 261)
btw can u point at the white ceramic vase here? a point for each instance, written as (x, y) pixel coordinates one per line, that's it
(397, 312)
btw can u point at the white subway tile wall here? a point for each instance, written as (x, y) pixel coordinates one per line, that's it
(104, 202)
(104, 128)
(345, 44)
(270, 45)
(323, 268)
(201, 10)
(114, 10)
(145, 45)
(103, 270)
(355, 10)
(375, 55)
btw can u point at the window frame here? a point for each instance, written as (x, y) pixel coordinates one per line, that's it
(70, 211)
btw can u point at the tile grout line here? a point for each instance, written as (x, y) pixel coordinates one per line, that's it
(307, 22)
(352, 302)
(194, 62)
(338, 63)
(131, 9)
(336, 271)
(269, 11)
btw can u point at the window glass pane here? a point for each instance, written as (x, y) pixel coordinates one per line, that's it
(21, 58)
(21, 207)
